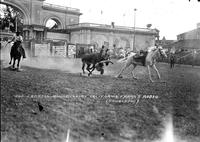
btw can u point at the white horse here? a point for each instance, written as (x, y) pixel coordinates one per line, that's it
(150, 61)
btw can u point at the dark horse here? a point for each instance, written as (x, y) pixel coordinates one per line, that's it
(15, 54)
(93, 59)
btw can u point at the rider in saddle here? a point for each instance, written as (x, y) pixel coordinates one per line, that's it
(141, 56)
(18, 42)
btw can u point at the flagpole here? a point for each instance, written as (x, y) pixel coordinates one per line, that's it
(134, 48)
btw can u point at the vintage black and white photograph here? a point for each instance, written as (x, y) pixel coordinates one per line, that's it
(100, 70)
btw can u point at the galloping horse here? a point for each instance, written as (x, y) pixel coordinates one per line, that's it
(15, 54)
(153, 53)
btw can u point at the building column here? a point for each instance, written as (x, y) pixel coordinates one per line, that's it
(88, 37)
(111, 40)
(131, 43)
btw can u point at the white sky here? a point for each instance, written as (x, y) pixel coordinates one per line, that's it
(171, 17)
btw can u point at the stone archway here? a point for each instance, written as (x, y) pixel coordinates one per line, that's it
(56, 19)
(22, 8)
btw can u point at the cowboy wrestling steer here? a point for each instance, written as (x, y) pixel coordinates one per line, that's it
(100, 66)
(93, 59)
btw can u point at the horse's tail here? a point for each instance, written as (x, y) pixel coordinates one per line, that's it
(122, 60)
(126, 58)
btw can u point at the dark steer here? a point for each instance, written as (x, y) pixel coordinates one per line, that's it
(93, 59)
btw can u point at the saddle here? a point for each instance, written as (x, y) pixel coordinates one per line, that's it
(141, 57)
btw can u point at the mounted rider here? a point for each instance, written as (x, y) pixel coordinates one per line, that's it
(141, 56)
(17, 39)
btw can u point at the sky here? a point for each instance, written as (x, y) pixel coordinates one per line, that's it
(171, 17)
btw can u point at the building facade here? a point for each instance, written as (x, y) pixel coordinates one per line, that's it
(70, 32)
(189, 40)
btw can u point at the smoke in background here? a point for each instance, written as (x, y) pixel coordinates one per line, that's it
(62, 63)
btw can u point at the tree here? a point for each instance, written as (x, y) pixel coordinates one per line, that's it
(10, 18)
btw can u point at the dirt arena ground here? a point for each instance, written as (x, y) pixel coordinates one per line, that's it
(98, 108)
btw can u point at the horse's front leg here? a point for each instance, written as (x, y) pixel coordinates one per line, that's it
(149, 71)
(92, 69)
(158, 74)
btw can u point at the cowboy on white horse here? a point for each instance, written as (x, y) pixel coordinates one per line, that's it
(147, 59)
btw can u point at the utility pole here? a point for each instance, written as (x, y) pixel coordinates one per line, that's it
(16, 23)
(134, 48)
